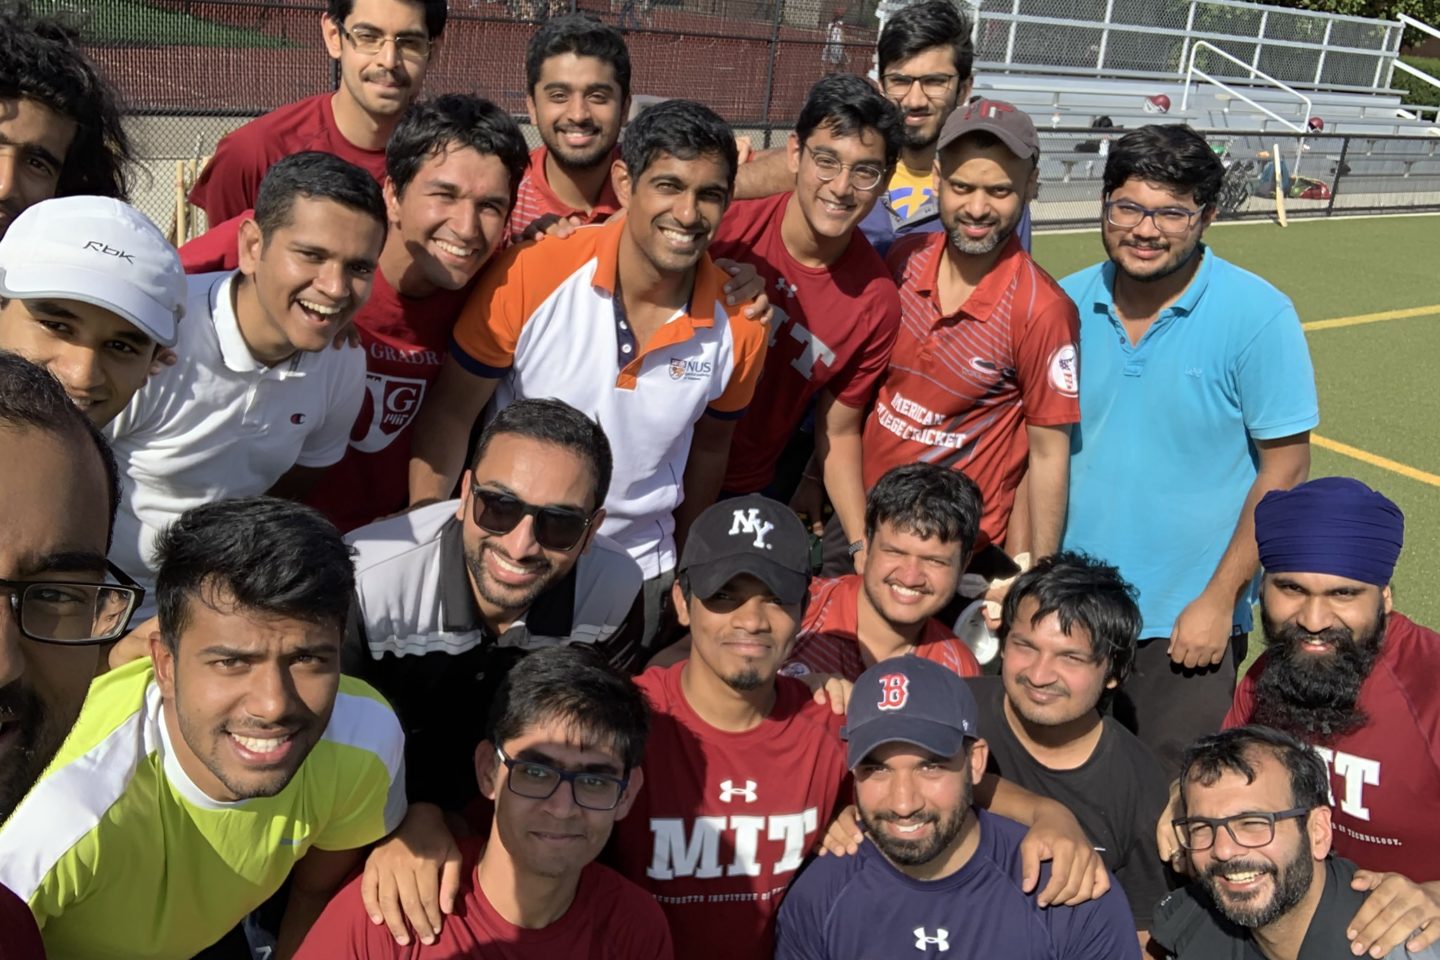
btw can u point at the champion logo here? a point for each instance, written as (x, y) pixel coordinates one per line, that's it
(923, 940)
(894, 691)
(298, 418)
(749, 523)
(728, 791)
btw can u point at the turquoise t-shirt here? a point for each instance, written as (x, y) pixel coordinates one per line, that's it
(1164, 454)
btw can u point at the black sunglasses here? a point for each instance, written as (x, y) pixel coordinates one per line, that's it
(556, 528)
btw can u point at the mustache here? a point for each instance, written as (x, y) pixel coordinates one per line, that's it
(1312, 695)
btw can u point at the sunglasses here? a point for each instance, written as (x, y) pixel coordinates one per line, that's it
(556, 528)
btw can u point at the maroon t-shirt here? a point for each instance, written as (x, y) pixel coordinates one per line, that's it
(19, 936)
(609, 919)
(1384, 777)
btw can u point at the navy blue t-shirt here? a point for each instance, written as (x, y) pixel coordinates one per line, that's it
(862, 907)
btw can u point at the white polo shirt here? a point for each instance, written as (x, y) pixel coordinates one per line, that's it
(220, 424)
(545, 321)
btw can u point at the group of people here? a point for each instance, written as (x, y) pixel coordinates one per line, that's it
(465, 550)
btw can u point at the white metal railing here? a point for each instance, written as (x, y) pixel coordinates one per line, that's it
(1193, 71)
(1416, 72)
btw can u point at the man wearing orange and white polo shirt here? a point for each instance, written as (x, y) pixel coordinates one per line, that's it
(627, 322)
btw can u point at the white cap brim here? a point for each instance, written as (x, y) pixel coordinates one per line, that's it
(104, 290)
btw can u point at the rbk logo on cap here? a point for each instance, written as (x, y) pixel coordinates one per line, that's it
(894, 691)
(749, 522)
(108, 250)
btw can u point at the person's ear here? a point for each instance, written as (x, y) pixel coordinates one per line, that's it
(632, 790)
(462, 509)
(530, 108)
(620, 180)
(793, 147)
(392, 203)
(163, 660)
(979, 759)
(1320, 832)
(330, 34)
(250, 246)
(1387, 599)
(682, 609)
(487, 770)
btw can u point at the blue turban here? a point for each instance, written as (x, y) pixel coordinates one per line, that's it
(1333, 525)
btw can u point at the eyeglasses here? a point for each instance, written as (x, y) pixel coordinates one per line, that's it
(539, 781)
(863, 176)
(62, 611)
(1171, 221)
(555, 527)
(1246, 829)
(933, 85)
(408, 47)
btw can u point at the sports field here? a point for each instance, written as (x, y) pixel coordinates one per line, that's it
(1368, 292)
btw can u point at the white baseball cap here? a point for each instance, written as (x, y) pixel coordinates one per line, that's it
(99, 251)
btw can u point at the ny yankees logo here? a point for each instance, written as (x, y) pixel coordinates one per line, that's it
(941, 940)
(748, 521)
(785, 287)
(728, 791)
(894, 691)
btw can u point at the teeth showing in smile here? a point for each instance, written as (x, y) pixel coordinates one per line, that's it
(455, 250)
(904, 591)
(835, 207)
(912, 828)
(260, 744)
(677, 237)
(508, 566)
(320, 308)
(1245, 877)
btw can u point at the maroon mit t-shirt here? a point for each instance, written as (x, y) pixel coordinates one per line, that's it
(609, 919)
(1385, 776)
(725, 819)
(230, 181)
(833, 330)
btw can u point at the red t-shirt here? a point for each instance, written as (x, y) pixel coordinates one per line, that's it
(962, 388)
(19, 936)
(1384, 777)
(405, 341)
(230, 181)
(725, 819)
(535, 199)
(609, 919)
(833, 330)
(827, 640)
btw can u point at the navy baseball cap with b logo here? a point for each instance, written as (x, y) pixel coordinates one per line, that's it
(750, 534)
(910, 700)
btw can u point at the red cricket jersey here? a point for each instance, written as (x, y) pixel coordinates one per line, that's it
(230, 181)
(827, 640)
(833, 330)
(609, 919)
(962, 388)
(405, 341)
(1384, 777)
(535, 199)
(725, 819)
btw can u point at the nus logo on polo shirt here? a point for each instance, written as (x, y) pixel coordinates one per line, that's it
(682, 369)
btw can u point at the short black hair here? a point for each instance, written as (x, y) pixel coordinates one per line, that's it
(683, 129)
(43, 62)
(315, 176)
(583, 35)
(845, 105)
(927, 500)
(574, 686)
(456, 120)
(1234, 751)
(268, 555)
(926, 24)
(1083, 591)
(436, 13)
(554, 421)
(1171, 155)
(30, 397)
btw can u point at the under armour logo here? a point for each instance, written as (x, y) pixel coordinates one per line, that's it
(748, 521)
(894, 691)
(941, 940)
(728, 791)
(108, 250)
(785, 287)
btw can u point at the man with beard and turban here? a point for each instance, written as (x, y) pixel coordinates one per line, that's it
(1256, 820)
(983, 375)
(1198, 399)
(938, 873)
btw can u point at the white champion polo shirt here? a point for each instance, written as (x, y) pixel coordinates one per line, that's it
(220, 424)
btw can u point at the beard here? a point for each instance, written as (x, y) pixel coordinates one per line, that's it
(745, 680)
(1161, 272)
(1315, 696)
(580, 160)
(500, 595)
(914, 853)
(976, 248)
(38, 739)
(1292, 880)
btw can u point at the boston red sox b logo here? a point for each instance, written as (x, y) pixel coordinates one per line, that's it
(894, 691)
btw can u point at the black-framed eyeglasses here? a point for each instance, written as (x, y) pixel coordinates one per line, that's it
(863, 176)
(539, 781)
(556, 528)
(73, 612)
(933, 85)
(1246, 829)
(1171, 221)
(407, 47)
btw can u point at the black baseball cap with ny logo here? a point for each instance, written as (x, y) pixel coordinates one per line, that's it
(751, 534)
